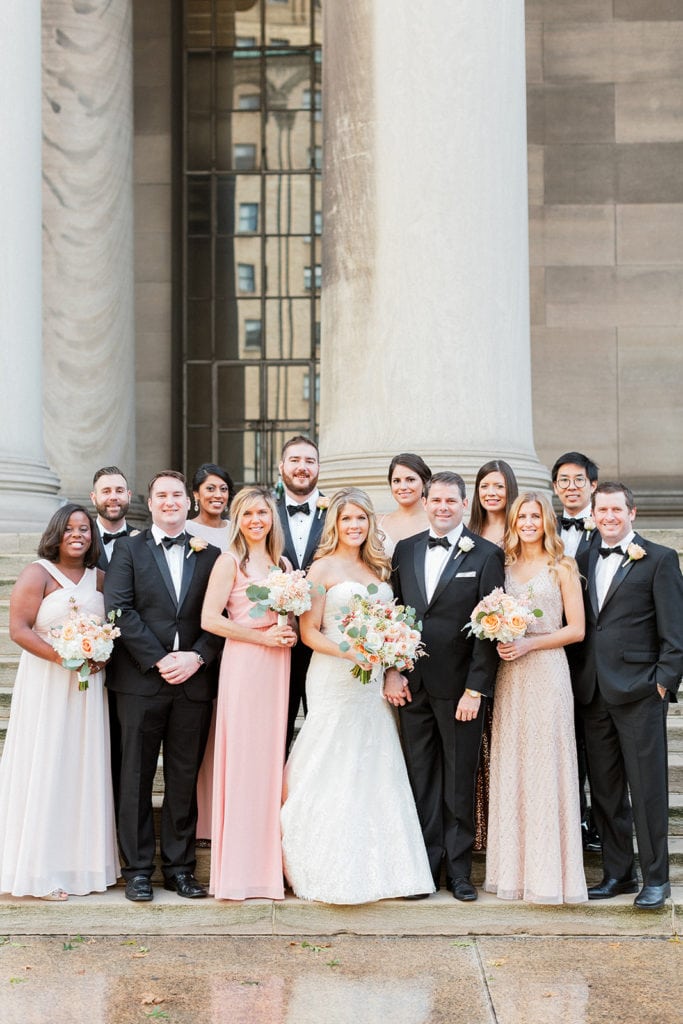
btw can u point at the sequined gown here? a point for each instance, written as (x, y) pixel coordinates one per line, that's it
(350, 831)
(534, 834)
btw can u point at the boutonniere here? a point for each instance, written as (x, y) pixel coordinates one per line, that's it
(589, 526)
(133, 533)
(321, 505)
(465, 544)
(197, 544)
(634, 553)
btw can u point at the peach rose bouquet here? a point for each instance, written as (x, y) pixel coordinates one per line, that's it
(501, 617)
(84, 639)
(383, 632)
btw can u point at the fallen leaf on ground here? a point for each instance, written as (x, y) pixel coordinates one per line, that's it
(149, 999)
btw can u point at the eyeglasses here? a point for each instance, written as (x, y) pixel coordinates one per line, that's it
(563, 482)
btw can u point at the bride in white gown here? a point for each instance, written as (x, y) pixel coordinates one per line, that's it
(350, 831)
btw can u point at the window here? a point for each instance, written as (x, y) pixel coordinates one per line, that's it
(248, 217)
(315, 157)
(318, 277)
(252, 334)
(249, 101)
(306, 395)
(246, 277)
(244, 156)
(317, 102)
(318, 222)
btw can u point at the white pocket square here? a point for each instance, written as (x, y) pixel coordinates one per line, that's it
(464, 574)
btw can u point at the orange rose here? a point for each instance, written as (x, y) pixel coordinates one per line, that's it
(517, 624)
(86, 646)
(491, 623)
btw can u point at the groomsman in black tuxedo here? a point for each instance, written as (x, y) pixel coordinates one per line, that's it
(302, 517)
(443, 573)
(163, 672)
(111, 497)
(630, 668)
(575, 477)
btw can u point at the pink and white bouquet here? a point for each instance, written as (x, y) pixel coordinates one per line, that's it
(383, 632)
(280, 592)
(501, 617)
(82, 639)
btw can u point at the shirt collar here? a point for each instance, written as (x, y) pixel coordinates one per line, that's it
(159, 534)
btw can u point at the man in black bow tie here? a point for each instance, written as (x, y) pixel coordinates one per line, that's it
(302, 523)
(163, 673)
(443, 574)
(627, 670)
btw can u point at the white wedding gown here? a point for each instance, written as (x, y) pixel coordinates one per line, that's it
(350, 831)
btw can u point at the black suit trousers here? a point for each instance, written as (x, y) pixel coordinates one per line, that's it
(442, 756)
(301, 657)
(626, 749)
(182, 726)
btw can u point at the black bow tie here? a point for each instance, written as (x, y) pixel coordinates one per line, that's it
(569, 524)
(438, 542)
(305, 508)
(606, 552)
(168, 542)
(106, 537)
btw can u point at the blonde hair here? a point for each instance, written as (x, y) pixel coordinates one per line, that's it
(275, 540)
(371, 550)
(552, 543)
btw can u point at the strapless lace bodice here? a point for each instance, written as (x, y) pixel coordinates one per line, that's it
(337, 601)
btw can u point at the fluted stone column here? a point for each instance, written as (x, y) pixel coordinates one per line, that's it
(425, 312)
(89, 388)
(28, 489)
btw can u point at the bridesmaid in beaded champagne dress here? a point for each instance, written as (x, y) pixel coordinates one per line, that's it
(534, 843)
(57, 833)
(251, 713)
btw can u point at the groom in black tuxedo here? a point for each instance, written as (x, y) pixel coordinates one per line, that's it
(629, 669)
(163, 672)
(302, 524)
(443, 574)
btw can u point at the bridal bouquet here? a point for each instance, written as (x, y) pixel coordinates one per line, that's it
(383, 632)
(280, 592)
(501, 617)
(82, 639)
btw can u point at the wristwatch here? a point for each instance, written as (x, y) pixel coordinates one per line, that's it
(473, 693)
(200, 660)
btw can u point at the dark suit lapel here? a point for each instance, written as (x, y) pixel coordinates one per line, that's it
(314, 535)
(590, 581)
(289, 551)
(189, 563)
(419, 552)
(622, 572)
(453, 565)
(162, 565)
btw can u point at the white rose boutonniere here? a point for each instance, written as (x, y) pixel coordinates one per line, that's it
(634, 553)
(589, 526)
(321, 505)
(197, 544)
(465, 544)
(133, 533)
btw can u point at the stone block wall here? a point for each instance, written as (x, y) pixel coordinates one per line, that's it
(605, 134)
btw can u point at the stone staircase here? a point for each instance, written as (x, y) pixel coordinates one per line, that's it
(18, 550)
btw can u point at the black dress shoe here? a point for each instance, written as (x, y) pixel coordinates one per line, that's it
(185, 884)
(610, 887)
(652, 897)
(139, 889)
(418, 896)
(463, 890)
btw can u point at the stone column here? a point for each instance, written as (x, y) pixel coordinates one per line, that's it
(89, 387)
(28, 489)
(425, 310)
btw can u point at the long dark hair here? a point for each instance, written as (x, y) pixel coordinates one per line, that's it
(208, 469)
(414, 462)
(54, 534)
(478, 513)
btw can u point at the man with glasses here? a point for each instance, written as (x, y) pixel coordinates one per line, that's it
(575, 477)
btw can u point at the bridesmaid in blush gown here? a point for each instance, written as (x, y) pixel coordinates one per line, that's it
(251, 713)
(57, 833)
(534, 843)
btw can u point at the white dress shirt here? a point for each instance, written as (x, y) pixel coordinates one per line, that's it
(108, 546)
(572, 538)
(436, 558)
(300, 523)
(174, 556)
(606, 568)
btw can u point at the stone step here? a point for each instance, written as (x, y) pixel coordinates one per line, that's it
(8, 668)
(7, 646)
(4, 612)
(11, 564)
(111, 914)
(6, 584)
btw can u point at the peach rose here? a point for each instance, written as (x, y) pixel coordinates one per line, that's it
(491, 623)
(517, 625)
(86, 647)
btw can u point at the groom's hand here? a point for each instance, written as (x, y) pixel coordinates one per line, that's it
(468, 707)
(396, 690)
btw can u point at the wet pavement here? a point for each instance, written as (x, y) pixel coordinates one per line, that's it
(346, 979)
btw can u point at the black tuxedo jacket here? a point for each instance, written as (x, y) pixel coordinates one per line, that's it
(313, 537)
(456, 661)
(635, 641)
(102, 562)
(138, 582)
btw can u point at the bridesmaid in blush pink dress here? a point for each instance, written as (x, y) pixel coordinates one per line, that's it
(251, 713)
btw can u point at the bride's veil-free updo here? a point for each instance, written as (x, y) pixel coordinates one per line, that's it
(371, 551)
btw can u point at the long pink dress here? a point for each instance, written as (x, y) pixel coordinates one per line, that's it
(251, 721)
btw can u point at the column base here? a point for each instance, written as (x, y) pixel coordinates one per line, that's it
(29, 495)
(369, 471)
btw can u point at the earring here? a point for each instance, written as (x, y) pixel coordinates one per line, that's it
(196, 506)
